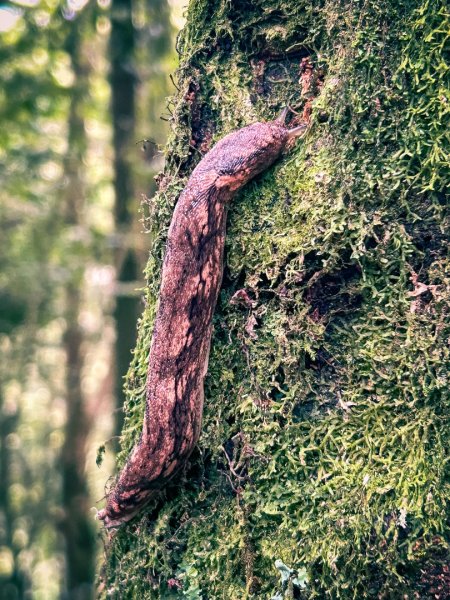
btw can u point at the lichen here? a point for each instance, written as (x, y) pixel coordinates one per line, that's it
(324, 434)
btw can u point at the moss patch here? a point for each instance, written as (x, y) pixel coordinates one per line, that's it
(324, 434)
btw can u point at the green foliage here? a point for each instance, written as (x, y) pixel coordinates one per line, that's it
(328, 396)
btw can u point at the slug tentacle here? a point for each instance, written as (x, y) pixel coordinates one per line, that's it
(297, 131)
(281, 119)
(190, 283)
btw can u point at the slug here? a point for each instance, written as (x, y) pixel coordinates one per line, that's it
(190, 283)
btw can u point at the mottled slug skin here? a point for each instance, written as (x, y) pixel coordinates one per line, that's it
(191, 278)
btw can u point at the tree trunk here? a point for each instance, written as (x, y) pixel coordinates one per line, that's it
(123, 81)
(125, 51)
(319, 470)
(77, 524)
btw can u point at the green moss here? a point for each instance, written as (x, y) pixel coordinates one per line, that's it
(334, 385)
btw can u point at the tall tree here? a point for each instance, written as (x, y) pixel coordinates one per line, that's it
(77, 525)
(138, 90)
(320, 470)
(123, 81)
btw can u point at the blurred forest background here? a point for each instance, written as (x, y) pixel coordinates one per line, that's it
(81, 82)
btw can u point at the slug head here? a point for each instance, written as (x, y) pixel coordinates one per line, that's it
(245, 153)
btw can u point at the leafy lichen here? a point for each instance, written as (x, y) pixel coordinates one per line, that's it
(324, 433)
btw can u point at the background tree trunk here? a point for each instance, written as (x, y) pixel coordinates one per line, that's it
(123, 81)
(323, 440)
(77, 524)
(131, 68)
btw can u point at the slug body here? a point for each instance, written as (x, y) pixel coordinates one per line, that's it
(190, 283)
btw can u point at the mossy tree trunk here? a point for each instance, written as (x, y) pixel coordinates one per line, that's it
(324, 423)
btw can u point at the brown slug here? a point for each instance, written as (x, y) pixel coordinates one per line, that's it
(190, 283)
